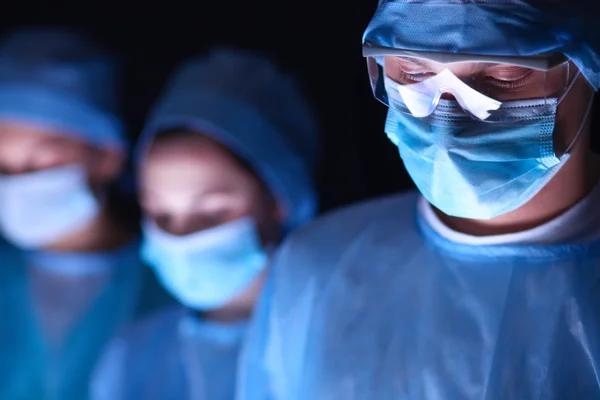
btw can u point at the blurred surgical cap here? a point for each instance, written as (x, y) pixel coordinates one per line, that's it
(242, 100)
(493, 27)
(59, 79)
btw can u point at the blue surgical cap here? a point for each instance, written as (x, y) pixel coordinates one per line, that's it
(493, 27)
(57, 78)
(243, 101)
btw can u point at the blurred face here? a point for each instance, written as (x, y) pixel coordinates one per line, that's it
(26, 147)
(190, 183)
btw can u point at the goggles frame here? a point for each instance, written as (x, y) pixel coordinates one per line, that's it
(542, 62)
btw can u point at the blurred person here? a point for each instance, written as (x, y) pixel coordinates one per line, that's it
(225, 167)
(485, 285)
(74, 273)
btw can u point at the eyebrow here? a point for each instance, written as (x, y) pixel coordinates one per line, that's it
(409, 60)
(216, 190)
(198, 194)
(418, 61)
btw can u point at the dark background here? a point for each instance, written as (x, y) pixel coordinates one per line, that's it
(319, 41)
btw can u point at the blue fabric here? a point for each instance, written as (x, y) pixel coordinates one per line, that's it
(370, 303)
(59, 79)
(21, 354)
(40, 207)
(207, 269)
(60, 321)
(469, 169)
(492, 27)
(241, 100)
(170, 355)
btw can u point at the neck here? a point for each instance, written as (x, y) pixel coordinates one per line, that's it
(240, 308)
(104, 233)
(576, 179)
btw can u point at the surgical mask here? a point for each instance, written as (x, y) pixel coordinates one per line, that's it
(472, 169)
(207, 269)
(40, 208)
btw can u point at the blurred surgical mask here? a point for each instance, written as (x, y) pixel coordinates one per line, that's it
(40, 208)
(207, 269)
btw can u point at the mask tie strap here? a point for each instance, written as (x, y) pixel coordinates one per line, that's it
(571, 84)
(585, 117)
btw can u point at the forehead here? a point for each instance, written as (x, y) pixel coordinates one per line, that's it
(419, 64)
(187, 161)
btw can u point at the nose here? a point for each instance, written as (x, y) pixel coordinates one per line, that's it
(448, 96)
(14, 159)
(180, 225)
(13, 165)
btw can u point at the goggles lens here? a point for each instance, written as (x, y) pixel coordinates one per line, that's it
(484, 90)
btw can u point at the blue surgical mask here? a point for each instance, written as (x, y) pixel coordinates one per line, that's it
(207, 269)
(472, 169)
(40, 208)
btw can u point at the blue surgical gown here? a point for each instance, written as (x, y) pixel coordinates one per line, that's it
(59, 310)
(171, 355)
(370, 303)
(19, 352)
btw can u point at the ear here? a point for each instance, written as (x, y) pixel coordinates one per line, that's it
(108, 165)
(272, 226)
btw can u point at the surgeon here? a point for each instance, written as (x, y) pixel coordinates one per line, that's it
(73, 275)
(486, 283)
(226, 171)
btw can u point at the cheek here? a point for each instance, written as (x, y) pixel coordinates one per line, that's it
(243, 208)
(57, 156)
(248, 204)
(561, 127)
(49, 159)
(92, 161)
(570, 116)
(264, 211)
(145, 203)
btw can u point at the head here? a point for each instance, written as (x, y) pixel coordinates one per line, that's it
(523, 91)
(190, 182)
(222, 191)
(241, 101)
(58, 102)
(61, 142)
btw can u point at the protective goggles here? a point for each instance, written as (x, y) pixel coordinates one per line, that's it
(485, 87)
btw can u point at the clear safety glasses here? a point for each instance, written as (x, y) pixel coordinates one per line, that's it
(485, 87)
